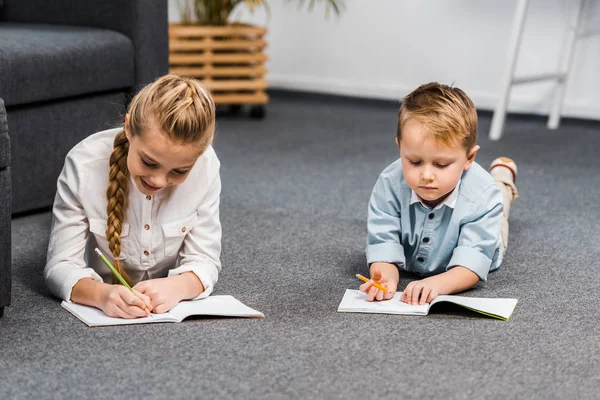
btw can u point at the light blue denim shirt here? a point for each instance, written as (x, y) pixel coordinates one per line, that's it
(464, 230)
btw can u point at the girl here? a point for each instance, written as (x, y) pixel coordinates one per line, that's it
(149, 195)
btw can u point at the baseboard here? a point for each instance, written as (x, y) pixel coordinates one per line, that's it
(337, 87)
(519, 103)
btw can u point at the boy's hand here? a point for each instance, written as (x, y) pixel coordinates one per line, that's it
(118, 301)
(420, 292)
(376, 294)
(164, 293)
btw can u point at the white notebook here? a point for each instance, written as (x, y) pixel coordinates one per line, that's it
(355, 301)
(217, 306)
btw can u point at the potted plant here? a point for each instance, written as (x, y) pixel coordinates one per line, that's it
(227, 57)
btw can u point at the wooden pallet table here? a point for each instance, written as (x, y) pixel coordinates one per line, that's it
(228, 60)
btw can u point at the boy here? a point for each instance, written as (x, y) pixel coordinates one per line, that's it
(435, 212)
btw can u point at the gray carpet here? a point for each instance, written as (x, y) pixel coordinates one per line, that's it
(295, 190)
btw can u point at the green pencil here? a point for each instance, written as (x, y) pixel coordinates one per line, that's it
(117, 274)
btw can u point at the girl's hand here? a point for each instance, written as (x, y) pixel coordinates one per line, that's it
(420, 292)
(164, 293)
(376, 294)
(118, 301)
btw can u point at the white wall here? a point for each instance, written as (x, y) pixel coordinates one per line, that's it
(385, 48)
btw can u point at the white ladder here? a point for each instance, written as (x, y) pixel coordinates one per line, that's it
(560, 76)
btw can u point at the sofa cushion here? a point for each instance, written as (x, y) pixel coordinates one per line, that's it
(44, 62)
(4, 142)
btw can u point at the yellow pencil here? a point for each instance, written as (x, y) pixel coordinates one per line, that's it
(377, 285)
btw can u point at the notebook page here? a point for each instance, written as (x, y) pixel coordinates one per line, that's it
(356, 301)
(221, 305)
(494, 306)
(95, 317)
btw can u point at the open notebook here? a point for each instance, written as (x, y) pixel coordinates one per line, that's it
(217, 306)
(355, 301)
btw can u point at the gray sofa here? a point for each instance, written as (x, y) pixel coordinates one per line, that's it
(67, 69)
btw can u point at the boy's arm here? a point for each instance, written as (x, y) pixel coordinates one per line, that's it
(480, 238)
(478, 242)
(388, 271)
(454, 280)
(426, 290)
(384, 224)
(384, 250)
(384, 274)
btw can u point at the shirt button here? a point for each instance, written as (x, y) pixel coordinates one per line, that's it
(420, 259)
(425, 240)
(148, 197)
(183, 229)
(146, 227)
(431, 216)
(146, 253)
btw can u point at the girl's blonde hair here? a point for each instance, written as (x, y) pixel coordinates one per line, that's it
(447, 112)
(184, 110)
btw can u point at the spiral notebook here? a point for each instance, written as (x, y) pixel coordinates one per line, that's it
(213, 306)
(354, 301)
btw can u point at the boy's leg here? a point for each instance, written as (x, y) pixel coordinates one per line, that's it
(504, 171)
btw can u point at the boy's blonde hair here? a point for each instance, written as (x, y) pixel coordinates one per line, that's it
(181, 108)
(447, 112)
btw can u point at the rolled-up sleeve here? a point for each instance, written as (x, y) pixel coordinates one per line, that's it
(480, 238)
(384, 225)
(65, 262)
(201, 250)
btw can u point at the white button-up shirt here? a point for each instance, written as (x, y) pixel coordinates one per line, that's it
(175, 231)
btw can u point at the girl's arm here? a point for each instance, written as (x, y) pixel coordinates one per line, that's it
(114, 300)
(190, 285)
(201, 250)
(88, 292)
(66, 273)
(165, 293)
(65, 264)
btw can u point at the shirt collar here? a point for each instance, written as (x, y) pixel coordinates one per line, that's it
(449, 201)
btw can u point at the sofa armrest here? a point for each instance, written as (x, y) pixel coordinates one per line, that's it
(5, 213)
(4, 139)
(145, 22)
